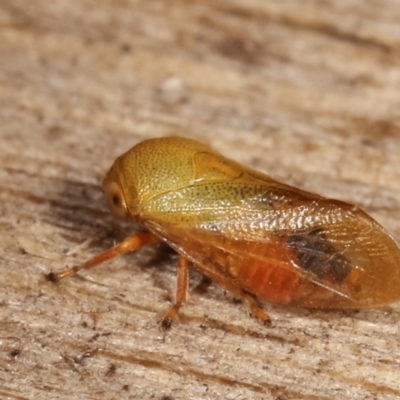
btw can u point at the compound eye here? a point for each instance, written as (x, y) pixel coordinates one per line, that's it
(116, 200)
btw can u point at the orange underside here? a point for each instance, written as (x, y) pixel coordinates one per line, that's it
(275, 279)
(270, 282)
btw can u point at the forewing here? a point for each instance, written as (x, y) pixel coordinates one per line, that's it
(328, 244)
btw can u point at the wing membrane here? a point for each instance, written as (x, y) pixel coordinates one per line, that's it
(328, 253)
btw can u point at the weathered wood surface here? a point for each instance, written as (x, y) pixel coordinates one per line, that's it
(306, 91)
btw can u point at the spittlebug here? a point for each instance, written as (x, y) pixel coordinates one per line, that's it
(251, 234)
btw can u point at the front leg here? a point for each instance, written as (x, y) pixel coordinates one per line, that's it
(131, 243)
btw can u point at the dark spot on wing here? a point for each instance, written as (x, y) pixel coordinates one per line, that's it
(317, 255)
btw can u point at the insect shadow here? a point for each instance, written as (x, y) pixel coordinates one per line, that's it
(79, 215)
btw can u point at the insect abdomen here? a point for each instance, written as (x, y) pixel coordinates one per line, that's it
(269, 272)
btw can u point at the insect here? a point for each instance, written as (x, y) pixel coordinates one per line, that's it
(252, 235)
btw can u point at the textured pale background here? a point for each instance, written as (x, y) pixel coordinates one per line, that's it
(307, 91)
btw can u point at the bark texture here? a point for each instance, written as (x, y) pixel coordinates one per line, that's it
(306, 91)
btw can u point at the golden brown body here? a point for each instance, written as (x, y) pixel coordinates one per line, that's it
(250, 233)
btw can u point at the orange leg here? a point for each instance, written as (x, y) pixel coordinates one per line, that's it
(181, 290)
(226, 282)
(129, 244)
(229, 283)
(255, 309)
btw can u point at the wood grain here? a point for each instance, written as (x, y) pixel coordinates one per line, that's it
(306, 91)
